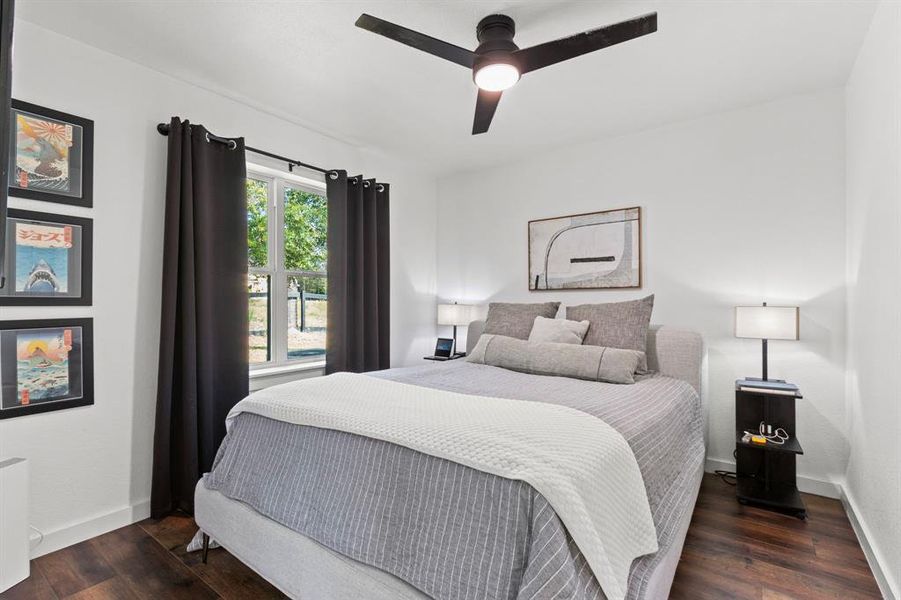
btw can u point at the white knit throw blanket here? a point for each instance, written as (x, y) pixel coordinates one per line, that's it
(581, 465)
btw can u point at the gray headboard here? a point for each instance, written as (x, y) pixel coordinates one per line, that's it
(674, 352)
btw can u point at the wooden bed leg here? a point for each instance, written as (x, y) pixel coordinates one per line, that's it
(206, 547)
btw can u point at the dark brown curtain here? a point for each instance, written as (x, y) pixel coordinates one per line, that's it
(358, 337)
(203, 335)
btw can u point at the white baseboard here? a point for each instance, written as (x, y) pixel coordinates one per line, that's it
(92, 527)
(808, 485)
(34, 540)
(889, 591)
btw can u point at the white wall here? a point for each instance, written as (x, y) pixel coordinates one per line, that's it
(873, 98)
(91, 466)
(741, 207)
(738, 208)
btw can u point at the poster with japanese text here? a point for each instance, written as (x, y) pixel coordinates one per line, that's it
(48, 259)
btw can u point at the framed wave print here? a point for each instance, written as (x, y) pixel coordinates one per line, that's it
(47, 260)
(51, 155)
(45, 365)
(599, 250)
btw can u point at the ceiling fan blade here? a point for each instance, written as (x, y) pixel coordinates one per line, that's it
(417, 40)
(550, 53)
(486, 104)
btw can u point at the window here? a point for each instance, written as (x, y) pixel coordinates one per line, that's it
(287, 219)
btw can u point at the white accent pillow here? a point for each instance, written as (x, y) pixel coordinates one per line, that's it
(559, 331)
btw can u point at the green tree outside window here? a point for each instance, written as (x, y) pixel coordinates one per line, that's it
(257, 222)
(306, 227)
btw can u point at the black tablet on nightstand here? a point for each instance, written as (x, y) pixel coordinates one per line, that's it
(444, 347)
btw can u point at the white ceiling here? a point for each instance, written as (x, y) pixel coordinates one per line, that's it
(307, 62)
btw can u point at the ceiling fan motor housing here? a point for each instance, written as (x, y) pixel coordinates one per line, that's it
(495, 34)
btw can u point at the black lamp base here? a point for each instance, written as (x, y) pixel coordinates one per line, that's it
(764, 365)
(456, 354)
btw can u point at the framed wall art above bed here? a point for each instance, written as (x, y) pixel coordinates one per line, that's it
(45, 365)
(599, 250)
(47, 260)
(51, 155)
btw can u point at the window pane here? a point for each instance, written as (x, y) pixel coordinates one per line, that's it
(258, 316)
(306, 222)
(306, 317)
(257, 223)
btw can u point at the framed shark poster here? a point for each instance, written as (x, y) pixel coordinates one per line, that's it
(51, 155)
(45, 365)
(48, 260)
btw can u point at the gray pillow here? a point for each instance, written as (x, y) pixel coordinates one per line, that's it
(617, 324)
(515, 319)
(560, 331)
(593, 363)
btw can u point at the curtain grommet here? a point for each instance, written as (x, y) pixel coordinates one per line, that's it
(231, 144)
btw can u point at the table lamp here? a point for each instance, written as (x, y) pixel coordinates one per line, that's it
(766, 323)
(455, 314)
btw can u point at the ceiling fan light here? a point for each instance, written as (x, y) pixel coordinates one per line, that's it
(496, 77)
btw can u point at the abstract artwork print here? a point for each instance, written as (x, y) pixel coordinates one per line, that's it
(599, 250)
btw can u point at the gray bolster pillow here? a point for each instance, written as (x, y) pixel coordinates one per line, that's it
(595, 363)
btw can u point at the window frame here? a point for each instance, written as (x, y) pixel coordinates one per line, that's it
(277, 182)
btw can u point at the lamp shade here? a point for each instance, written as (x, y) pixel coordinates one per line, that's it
(455, 314)
(767, 322)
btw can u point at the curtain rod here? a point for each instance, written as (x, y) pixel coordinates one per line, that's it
(163, 128)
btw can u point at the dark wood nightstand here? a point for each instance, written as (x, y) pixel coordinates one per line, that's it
(766, 473)
(445, 358)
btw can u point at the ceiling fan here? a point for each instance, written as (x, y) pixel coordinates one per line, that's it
(498, 63)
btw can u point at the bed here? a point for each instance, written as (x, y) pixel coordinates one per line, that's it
(262, 489)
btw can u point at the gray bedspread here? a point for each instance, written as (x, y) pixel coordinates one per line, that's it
(449, 530)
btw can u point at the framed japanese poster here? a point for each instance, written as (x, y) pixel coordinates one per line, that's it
(45, 364)
(48, 260)
(51, 155)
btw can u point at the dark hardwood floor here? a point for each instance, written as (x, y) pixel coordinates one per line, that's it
(731, 551)
(735, 551)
